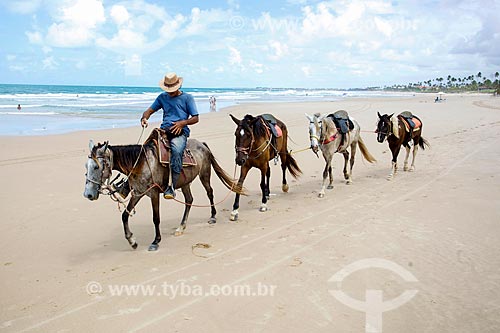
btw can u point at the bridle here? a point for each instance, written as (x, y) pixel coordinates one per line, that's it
(107, 167)
(247, 150)
(389, 127)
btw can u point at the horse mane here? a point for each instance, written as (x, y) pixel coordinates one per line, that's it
(254, 124)
(125, 156)
(395, 125)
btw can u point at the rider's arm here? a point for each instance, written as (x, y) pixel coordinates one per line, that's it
(145, 116)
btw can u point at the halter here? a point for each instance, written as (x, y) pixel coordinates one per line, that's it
(248, 150)
(389, 129)
(101, 181)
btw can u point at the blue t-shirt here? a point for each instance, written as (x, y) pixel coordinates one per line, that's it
(175, 109)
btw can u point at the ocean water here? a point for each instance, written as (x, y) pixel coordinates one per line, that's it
(53, 109)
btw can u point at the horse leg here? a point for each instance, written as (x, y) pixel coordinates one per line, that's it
(415, 150)
(236, 204)
(264, 186)
(405, 167)
(330, 178)
(354, 146)
(326, 172)
(394, 169)
(205, 181)
(125, 215)
(283, 158)
(268, 176)
(188, 199)
(155, 203)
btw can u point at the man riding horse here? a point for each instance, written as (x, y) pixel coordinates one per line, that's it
(179, 111)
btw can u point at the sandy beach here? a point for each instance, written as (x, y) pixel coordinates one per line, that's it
(64, 257)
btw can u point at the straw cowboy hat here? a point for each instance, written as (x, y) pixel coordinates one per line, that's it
(171, 82)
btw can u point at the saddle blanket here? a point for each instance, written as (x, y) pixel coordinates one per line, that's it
(415, 120)
(159, 138)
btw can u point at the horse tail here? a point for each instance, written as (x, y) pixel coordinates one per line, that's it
(423, 143)
(226, 179)
(366, 154)
(292, 166)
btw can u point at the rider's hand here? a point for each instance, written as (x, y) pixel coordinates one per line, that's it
(144, 122)
(177, 127)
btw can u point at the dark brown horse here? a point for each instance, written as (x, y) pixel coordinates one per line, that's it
(147, 176)
(255, 146)
(398, 133)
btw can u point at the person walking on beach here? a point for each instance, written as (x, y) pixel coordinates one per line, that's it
(179, 111)
(19, 107)
(212, 101)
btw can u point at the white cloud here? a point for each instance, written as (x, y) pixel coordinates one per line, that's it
(258, 68)
(280, 50)
(34, 37)
(49, 63)
(76, 24)
(119, 14)
(306, 70)
(234, 56)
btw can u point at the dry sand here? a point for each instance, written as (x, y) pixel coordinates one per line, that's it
(440, 223)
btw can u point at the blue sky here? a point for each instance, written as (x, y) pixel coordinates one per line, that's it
(231, 43)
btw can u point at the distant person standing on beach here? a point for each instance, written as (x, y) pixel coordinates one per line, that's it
(179, 111)
(213, 106)
(19, 107)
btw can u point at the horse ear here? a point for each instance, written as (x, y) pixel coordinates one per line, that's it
(309, 117)
(105, 146)
(379, 115)
(236, 120)
(91, 144)
(390, 116)
(320, 117)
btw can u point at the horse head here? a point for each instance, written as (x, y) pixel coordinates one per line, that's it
(244, 137)
(99, 169)
(384, 126)
(315, 130)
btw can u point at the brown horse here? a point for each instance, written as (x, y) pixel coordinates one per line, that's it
(255, 146)
(147, 176)
(398, 133)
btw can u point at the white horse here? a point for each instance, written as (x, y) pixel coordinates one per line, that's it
(324, 135)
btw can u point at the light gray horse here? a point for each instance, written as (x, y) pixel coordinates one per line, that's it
(147, 176)
(324, 135)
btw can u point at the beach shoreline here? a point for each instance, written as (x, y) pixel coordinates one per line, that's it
(440, 223)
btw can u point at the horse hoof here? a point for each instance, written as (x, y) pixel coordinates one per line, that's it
(411, 169)
(348, 182)
(390, 177)
(330, 187)
(212, 220)
(285, 188)
(321, 195)
(134, 245)
(234, 216)
(346, 177)
(263, 208)
(153, 247)
(405, 168)
(178, 233)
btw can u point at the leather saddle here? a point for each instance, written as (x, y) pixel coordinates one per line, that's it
(160, 139)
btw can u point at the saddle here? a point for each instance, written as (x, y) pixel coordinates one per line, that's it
(272, 123)
(412, 122)
(159, 138)
(343, 123)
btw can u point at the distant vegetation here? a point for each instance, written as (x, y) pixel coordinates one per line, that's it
(471, 83)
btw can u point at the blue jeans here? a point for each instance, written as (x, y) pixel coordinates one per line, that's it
(177, 144)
